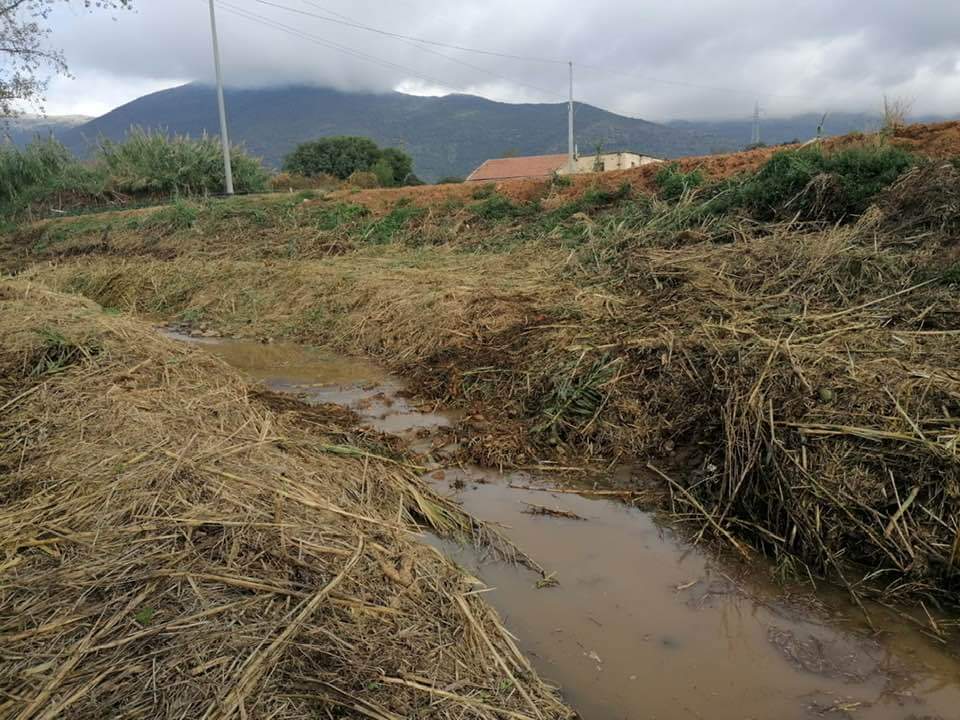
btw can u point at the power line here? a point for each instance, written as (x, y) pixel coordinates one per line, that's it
(368, 28)
(605, 69)
(263, 20)
(419, 46)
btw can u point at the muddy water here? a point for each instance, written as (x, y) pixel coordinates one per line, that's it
(641, 625)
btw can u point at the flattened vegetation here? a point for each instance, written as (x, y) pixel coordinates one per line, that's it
(175, 548)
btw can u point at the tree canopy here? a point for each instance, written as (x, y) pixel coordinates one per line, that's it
(343, 155)
(26, 57)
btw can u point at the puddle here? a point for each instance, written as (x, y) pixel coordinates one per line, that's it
(641, 625)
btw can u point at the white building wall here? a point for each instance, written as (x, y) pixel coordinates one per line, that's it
(610, 161)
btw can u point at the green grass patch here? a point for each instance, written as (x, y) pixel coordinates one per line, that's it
(815, 185)
(330, 217)
(674, 183)
(497, 207)
(383, 230)
(176, 217)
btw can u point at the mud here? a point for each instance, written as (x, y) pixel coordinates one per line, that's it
(633, 621)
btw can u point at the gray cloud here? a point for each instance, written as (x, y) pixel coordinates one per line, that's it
(690, 58)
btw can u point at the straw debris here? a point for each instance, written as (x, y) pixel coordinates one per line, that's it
(174, 548)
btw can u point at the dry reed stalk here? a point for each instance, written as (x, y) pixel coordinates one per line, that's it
(172, 547)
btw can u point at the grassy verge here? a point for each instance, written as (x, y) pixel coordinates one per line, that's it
(160, 522)
(803, 362)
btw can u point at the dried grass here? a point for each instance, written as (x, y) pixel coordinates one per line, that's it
(173, 548)
(810, 372)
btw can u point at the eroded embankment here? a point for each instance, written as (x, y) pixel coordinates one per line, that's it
(174, 548)
(797, 382)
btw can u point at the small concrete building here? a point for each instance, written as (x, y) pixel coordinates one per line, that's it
(605, 162)
(542, 166)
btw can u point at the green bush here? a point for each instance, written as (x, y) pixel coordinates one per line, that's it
(345, 155)
(400, 164)
(450, 180)
(149, 163)
(820, 186)
(43, 169)
(384, 172)
(673, 182)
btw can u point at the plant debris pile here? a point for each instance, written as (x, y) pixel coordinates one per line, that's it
(174, 548)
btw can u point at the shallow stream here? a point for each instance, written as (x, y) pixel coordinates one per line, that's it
(642, 625)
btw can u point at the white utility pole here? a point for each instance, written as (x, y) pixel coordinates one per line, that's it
(755, 135)
(571, 160)
(224, 140)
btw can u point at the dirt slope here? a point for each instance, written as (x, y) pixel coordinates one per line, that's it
(934, 140)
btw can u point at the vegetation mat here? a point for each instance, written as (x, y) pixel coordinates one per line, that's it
(780, 346)
(174, 548)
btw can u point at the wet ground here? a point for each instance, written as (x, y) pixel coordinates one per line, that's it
(641, 625)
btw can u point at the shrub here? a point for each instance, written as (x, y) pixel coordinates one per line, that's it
(401, 165)
(362, 179)
(450, 180)
(673, 182)
(292, 181)
(818, 185)
(344, 155)
(339, 156)
(384, 172)
(152, 163)
(43, 169)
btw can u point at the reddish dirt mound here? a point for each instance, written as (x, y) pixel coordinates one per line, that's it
(940, 140)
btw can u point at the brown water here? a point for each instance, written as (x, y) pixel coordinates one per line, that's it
(641, 624)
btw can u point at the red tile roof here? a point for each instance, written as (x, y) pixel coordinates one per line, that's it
(518, 167)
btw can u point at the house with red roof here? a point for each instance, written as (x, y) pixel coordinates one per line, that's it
(544, 166)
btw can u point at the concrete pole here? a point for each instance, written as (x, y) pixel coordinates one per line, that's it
(224, 140)
(571, 162)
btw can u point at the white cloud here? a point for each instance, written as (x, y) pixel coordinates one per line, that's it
(697, 58)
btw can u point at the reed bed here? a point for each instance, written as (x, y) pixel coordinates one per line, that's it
(174, 548)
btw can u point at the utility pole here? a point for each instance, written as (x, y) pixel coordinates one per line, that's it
(224, 140)
(571, 161)
(755, 136)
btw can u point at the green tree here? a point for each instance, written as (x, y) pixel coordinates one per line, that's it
(339, 156)
(400, 163)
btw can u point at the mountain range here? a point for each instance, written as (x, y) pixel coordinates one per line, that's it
(24, 128)
(446, 136)
(449, 135)
(776, 131)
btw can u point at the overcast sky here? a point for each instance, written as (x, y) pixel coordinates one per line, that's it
(657, 60)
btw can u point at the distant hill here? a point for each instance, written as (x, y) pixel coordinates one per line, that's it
(448, 135)
(774, 131)
(22, 130)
